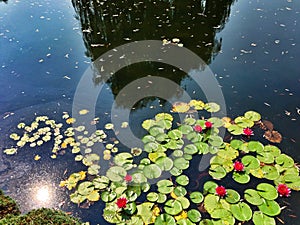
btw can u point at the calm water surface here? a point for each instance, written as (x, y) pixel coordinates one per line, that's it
(252, 47)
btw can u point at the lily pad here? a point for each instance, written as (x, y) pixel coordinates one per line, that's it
(217, 171)
(210, 187)
(212, 107)
(165, 219)
(241, 211)
(185, 203)
(182, 180)
(152, 196)
(179, 191)
(181, 163)
(270, 172)
(173, 207)
(253, 197)
(270, 208)
(175, 134)
(232, 196)
(252, 115)
(165, 163)
(194, 215)
(152, 171)
(235, 129)
(255, 146)
(180, 107)
(85, 188)
(241, 178)
(220, 213)
(196, 197)
(267, 191)
(243, 122)
(165, 186)
(261, 219)
(116, 173)
(190, 149)
(211, 202)
(285, 161)
(250, 162)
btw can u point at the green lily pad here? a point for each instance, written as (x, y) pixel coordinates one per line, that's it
(108, 196)
(211, 202)
(202, 147)
(85, 188)
(270, 172)
(270, 208)
(261, 219)
(206, 222)
(212, 107)
(177, 153)
(194, 215)
(241, 211)
(255, 146)
(242, 178)
(209, 187)
(165, 186)
(217, 122)
(156, 130)
(164, 163)
(148, 138)
(161, 198)
(150, 147)
(77, 198)
(164, 116)
(196, 197)
(182, 180)
(243, 122)
(232, 196)
(181, 163)
(215, 141)
(93, 196)
(250, 162)
(217, 172)
(185, 129)
(220, 213)
(235, 143)
(152, 196)
(175, 134)
(185, 203)
(152, 171)
(176, 172)
(123, 158)
(145, 211)
(165, 219)
(267, 191)
(147, 124)
(189, 121)
(179, 191)
(153, 156)
(93, 169)
(275, 151)
(190, 149)
(139, 178)
(265, 157)
(173, 207)
(235, 129)
(285, 161)
(10, 151)
(252, 115)
(101, 182)
(116, 173)
(253, 197)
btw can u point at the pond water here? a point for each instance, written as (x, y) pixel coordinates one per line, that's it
(252, 48)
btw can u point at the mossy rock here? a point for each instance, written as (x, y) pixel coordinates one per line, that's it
(8, 206)
(40, 217)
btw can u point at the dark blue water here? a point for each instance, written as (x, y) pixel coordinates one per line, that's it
(252, 47)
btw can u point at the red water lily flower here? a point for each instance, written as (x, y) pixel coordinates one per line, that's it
(238, 166)
(248, 131)
(221, 191)
(283, 190)
(128, 178)
(121, 202)
(197, 128)
(208, 124)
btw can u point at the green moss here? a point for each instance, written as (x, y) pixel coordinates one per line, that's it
(41, 217)
(7, 206)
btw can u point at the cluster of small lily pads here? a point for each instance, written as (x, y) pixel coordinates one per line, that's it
(135, 189)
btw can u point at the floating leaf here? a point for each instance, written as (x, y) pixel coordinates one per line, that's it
(77, 198)
(101, 182)
(260, 219)
(10, 151)
(37, 157)
(165, 186)
(270, 208)
(152, 171)
(241, 211)
(232, 196)
(285, 161)
(267, 191)
(161, 198)
(211, 202)
(136, 151)
(85, 188)
(217, 172)
(164, 163)
(152, 196)
(175, 134)
(197, 104)
(270, 172)
(250, 162)
(209, 187)
(196, 197)
(83, 112)
(241, 178)
(253, 197)
(116, 173)
(212, 107)
(181, 163)
(273, 136)
(235, 129)
(252, 115)
(93, 196)
(164, 116)
(182, 180)
(165, 219)
(123, 158)
(173, 207)
(179, 191)
(109, 126)
(185, 203)
(220, 213)
(180, 107)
